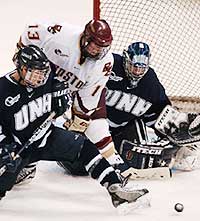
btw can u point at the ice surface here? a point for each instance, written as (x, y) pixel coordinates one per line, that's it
(53, 195)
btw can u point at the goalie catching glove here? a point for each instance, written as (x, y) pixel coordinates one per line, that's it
(180, 128)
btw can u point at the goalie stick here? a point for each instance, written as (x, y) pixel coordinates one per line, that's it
(157, 173)
(30, 140)
(180, 128)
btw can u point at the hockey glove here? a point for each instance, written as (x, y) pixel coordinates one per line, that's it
(149, 155)
(8, 157)
(76, 121)
(76, 124)
(180, 128)
(61, 99)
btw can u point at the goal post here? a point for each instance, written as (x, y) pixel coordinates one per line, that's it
(172, 30)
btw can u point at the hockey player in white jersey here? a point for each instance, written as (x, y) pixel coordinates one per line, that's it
(81, 57)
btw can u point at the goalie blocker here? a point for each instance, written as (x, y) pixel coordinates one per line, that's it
(148, 160)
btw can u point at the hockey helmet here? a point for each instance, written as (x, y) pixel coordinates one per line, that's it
(136, 61)
(96, 39)
(36, 63)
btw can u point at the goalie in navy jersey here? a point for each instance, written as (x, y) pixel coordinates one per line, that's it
(134, 100)
(30, 99)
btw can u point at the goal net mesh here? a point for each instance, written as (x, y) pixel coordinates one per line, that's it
(172, 30)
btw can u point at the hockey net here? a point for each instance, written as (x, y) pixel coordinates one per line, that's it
(172, 30)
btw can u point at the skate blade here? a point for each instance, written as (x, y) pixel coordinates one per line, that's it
(127, 208)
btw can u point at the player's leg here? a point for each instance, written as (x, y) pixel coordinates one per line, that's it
(187, 158)
(136, 133)
(99, 169)
(66, 145)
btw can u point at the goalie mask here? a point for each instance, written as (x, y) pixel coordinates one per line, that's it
(136, 62)
(96, 39)
(32, 66)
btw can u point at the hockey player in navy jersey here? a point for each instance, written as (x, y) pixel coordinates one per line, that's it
(29, 95)
(134, 100)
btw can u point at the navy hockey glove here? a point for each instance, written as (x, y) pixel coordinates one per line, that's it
(8, 157)
(61, 99)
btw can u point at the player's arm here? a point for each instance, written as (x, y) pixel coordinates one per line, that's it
(38, 33)
(160, 101)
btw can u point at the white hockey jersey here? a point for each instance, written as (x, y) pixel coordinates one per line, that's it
(61, 44)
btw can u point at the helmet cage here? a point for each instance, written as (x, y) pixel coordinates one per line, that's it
(35, 77)
(136, 65)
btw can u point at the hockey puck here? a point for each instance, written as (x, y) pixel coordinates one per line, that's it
(179, 207)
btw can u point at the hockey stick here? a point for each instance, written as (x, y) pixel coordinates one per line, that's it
(30, 140)
(157, 173)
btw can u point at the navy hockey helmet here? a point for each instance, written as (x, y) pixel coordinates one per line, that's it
(136, 61)
(96, 39)
(36, 63)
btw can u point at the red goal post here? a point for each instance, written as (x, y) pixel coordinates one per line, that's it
(172, 30)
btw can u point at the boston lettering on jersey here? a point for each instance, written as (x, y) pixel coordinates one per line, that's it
(72, 79)
(32, 110)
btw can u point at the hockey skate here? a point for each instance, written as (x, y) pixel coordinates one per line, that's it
(126, 199)
(26, 174)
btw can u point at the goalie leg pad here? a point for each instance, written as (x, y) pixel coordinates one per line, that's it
(187, 158)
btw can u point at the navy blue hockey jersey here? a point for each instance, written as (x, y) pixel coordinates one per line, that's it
(23, 110)
(125, 104)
